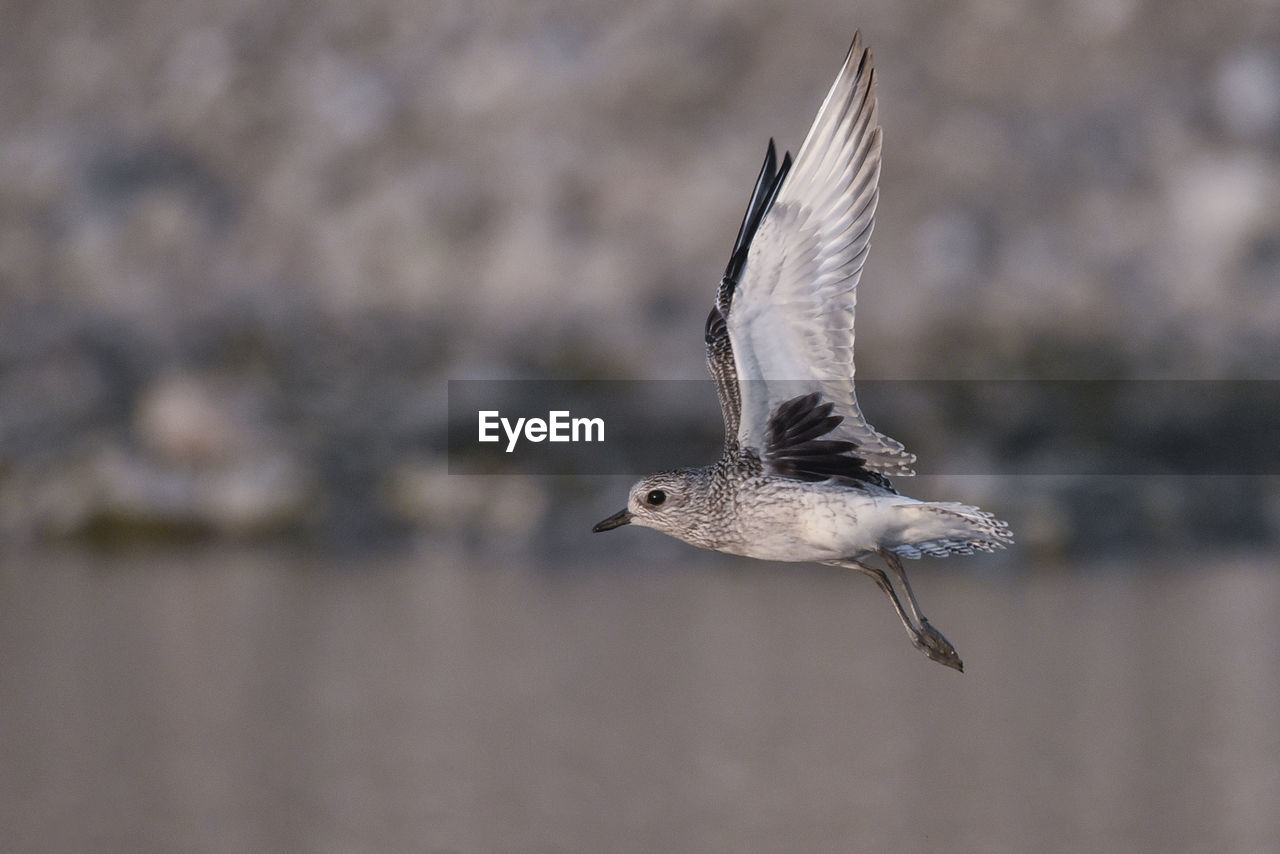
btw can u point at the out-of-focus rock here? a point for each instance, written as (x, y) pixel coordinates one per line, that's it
(184, 421)
(1246, 91)
(113, 495)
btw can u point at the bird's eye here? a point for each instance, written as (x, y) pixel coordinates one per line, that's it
(656, 497)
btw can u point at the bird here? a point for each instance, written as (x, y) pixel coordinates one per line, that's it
(803, 476)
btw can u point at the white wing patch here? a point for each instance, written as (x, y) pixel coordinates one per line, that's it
(792, 316)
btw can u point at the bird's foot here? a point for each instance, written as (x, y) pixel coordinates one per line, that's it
(936, 647)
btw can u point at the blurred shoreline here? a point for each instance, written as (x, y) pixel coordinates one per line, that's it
(243, 249)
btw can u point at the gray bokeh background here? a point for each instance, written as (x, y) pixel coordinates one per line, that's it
(244, 605)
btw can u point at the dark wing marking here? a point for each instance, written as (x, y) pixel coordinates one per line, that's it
(720, 360)
(768, 183)
(795, 448)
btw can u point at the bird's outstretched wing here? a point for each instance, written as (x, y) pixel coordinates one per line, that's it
(786, 304)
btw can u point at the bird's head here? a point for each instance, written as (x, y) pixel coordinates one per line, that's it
(659, 501)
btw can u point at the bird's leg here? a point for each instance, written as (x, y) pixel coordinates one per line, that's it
(882, 581)
(891, 560)
(924, 638)
(934, 639)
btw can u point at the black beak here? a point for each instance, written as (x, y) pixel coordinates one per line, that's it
(617, 520)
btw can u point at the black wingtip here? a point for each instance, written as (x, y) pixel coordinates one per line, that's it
(768, 183)
(783, 170)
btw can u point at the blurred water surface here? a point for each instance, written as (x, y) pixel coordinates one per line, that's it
(256, 700)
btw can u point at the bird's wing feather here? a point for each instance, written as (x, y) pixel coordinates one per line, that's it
(790, 313)
(720, 361)
(797, 445)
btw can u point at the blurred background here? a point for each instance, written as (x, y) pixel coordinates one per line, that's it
(245, 606)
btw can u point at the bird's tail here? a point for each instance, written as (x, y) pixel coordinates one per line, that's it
(946, 528)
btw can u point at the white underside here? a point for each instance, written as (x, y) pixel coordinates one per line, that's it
(817, 523)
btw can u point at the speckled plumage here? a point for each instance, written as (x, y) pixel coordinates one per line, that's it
(803, 476)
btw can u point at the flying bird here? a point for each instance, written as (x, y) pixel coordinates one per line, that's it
(803, 476)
